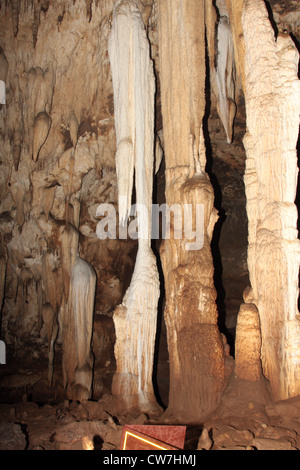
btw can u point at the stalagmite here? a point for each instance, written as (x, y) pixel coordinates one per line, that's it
(196, 353)
(272, 95)
(17, 148)
(124, 106)
(248, 344)
(77, 332)
(225, 73)
(135, 318)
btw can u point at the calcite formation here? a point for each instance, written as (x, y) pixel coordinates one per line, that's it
(248, 344)
(272, 94)
(135, 318)
(77, 326)
(122, 102)
(194, 341)
(225, 72)
(57, 154)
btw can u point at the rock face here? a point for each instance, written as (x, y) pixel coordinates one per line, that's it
(58, 164)
(12, 437)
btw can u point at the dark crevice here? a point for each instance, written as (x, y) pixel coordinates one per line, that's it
(217, 260)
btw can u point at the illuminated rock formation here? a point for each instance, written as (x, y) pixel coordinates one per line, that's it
(197, 361)
(248, 344)
(97, 96)
(272, 94)
(77, 325)
(135, 318)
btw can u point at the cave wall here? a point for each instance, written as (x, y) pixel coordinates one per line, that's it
(57, 165)
(57, 156)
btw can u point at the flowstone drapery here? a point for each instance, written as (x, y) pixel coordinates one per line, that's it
(272, 95)
(77, 325)
(135, 318)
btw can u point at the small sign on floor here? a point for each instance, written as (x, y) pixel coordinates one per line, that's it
(156, 437)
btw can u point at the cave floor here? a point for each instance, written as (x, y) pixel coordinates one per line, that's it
(246, 419)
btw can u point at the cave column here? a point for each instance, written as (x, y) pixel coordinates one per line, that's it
(196, 354)
(272, 96)
(135, 319)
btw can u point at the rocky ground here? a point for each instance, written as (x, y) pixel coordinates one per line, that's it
(246, 419)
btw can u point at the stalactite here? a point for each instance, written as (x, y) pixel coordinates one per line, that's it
(210, 24)
(15, 16)
(272, 95)
(135, 319)
(225, 73)
(35, 22)
(235, 9)
(69, 248)
(89, 5)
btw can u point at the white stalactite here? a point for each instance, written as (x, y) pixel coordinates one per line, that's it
(121, 60)
(134, 89)
(225, 74)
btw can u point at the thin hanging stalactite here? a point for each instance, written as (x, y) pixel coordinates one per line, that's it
(134, 89)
